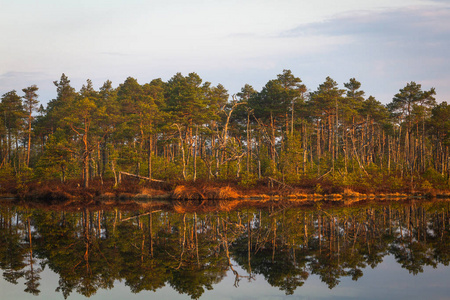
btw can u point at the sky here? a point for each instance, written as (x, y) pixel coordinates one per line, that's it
(384, 44)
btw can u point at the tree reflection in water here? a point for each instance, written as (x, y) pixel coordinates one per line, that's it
(191, 250)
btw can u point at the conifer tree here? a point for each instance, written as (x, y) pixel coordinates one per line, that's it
(12, 115)
(30, 103)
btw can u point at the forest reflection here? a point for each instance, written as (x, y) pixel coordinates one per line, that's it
(191, 251)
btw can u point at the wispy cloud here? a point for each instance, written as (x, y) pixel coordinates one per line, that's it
(387, 48)
(428, 23)
(15, 75)
(383, 43)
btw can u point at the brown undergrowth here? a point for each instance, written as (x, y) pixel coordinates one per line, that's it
(186, 192)
(72, 191)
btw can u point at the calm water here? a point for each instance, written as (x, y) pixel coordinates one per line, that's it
(369, 251)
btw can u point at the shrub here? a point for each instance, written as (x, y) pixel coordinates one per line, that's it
(426, 185)
(8, 182)
(436, 179)
(248, 180)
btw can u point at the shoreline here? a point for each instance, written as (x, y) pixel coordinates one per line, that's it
(53, 192)
(153, 205)
(230, 196)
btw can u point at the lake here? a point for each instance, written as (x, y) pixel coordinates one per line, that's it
(227, 250)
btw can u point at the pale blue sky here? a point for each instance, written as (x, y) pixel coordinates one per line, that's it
(382, 43)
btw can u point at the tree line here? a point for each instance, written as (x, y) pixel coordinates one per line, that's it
(188, 129)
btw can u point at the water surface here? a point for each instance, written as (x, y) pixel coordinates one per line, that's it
(276, 251)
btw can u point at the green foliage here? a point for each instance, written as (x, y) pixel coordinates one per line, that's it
(324, 99)
(167, 170)
(152, 129)
(426, 185)
(436, 179)
(266, 166)
(6, 173)
(7, 179)
(58, 158)
(403, 102)
(248, 180)
(291, 158)
(372, 168)
(128, 158)
(395, 183)
(340, 179)
(440, 122)
(12, 111)
(202, 168)
(24, 177)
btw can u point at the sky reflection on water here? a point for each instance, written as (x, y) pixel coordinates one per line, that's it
(387, 281)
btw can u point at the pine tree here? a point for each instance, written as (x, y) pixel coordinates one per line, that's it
(12, 115)
(30, 103)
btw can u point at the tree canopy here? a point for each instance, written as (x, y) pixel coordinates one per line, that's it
(186, 128)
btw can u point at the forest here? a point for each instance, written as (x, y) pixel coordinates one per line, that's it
(188, 130)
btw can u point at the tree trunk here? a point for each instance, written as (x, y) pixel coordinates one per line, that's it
(249, 145)
(318, 148)
(29, 141)
(272, 146)
(150, 145)
(182, 151)
(86, 156)
(195, 153)
(86, 163)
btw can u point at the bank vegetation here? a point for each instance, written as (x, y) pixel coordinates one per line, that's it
(188, 139)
